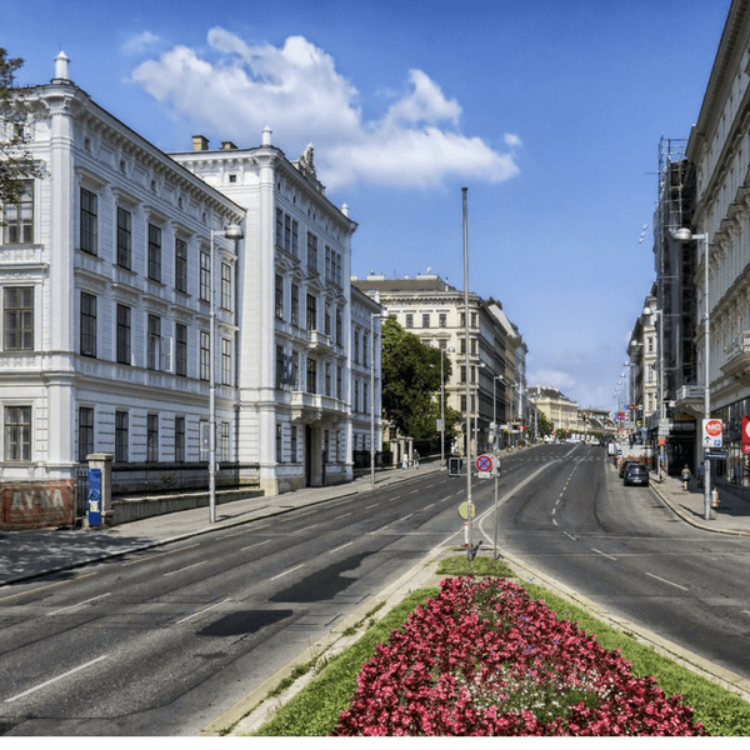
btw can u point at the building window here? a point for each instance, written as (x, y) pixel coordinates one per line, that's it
(279, 228)
(152, 438)
(17, 219)
(123, 334)
(154, 253)
(205, 291)
(205, 356)
(180, 265)
(17, 433)
(328, 378)
(355, 353)
(425, 320)
(226, 362)
(279, 444)
(85, 433)
(226, 286)
(280, 366)
(124, 239)
(88, 325)
(179, 439)
(88, 222)
(312, 375)
(224, 442)
(181, 349)
(409, 320)
(295, 305)
(312, 312)
(327, 319)
(365, 348)
(121, 436)
(443, 320)
(312, 252)
(154, 342)
(18, 318)
(355, 405)
(339, 382)
(365, 398)
(293, 444)
(339, 327)
(279, 297)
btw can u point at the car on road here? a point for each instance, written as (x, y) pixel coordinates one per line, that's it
(624, 465)
(635, 474)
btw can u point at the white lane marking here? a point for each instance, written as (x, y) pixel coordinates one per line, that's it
(80, 604)
(287, 572)
(427, 507)
(207, 609)
(341, 547)
(187, 567)
(344, 516)
(603, 554)
(570, 536)
(670, 583)
(257, 544)
(55, 679)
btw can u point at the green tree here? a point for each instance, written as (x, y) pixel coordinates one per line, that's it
(544, 425)
(411, 384)
(16, 163)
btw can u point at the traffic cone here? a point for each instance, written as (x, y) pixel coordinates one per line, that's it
(715, 498)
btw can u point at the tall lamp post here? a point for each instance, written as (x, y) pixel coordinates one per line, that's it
(442, 403)
(685, 235)
(494, 405)
(373, 316)
(232, 232)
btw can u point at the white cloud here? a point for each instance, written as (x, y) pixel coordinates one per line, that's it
(297, 91)
(141, 42)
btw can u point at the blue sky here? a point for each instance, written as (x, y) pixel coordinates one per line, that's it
(549, 112)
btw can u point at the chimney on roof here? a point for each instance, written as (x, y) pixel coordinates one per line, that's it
(228, 146)
(200, 143)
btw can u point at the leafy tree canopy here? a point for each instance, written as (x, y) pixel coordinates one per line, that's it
(411, 383)
(16, 164)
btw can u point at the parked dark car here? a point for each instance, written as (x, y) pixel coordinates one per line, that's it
(624, 465)
(636, 474)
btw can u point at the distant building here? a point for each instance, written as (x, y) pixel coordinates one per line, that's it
(434, 311)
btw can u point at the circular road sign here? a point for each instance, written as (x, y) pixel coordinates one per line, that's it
(463, 511)
(483, 463)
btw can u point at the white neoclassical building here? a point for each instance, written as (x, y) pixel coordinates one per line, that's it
(108, 266)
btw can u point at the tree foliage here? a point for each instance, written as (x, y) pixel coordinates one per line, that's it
(411, 384)
(16, 163)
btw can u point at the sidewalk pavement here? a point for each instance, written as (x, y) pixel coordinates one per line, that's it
(29, 554)
(731, 516)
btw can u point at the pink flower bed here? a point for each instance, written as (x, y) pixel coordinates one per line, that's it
(483, 659)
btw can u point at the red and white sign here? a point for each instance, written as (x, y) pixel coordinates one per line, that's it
(713, 430)
(746, 434)
(484, 463)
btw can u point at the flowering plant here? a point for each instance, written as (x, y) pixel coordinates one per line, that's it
(483, 659)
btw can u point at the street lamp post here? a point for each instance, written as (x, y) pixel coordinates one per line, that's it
(685, 235)
(373, 316)
(442, 403)
(232, 232)
(494, 406)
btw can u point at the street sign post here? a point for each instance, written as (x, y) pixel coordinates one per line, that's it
(713, 430)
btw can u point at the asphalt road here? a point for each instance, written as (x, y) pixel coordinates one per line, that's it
(622, 548)
(164, 641)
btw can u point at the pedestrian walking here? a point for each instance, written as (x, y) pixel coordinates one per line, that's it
(405, 462)
(416, 459)
(685, 477)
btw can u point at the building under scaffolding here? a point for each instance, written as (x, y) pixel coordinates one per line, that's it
(675, 292)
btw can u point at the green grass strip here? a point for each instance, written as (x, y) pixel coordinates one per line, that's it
(314, 712)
